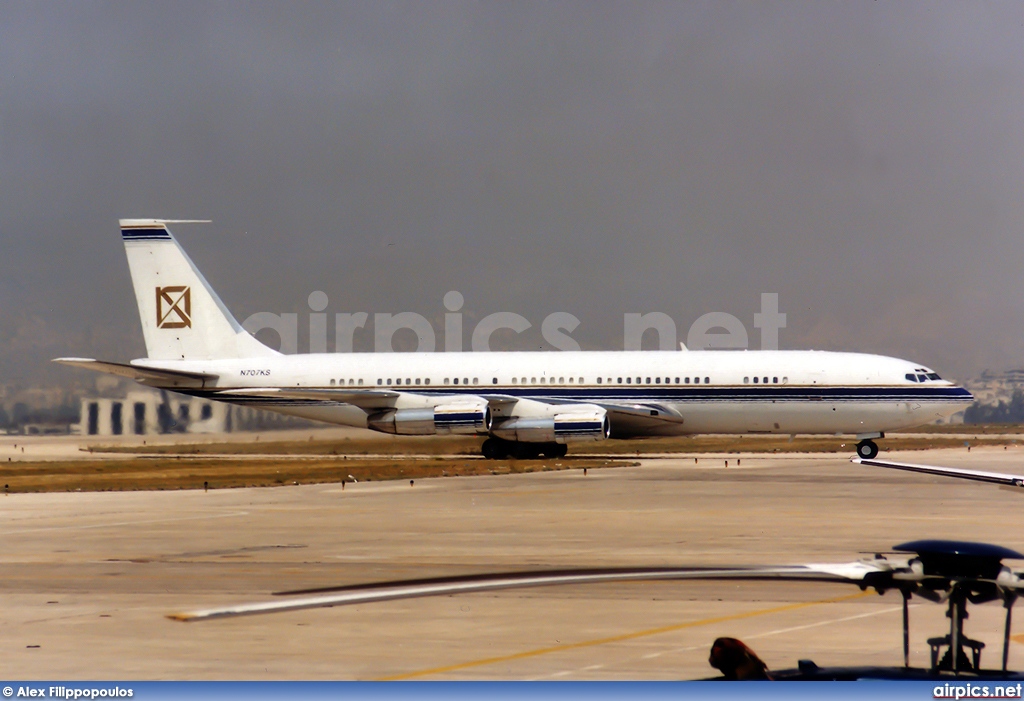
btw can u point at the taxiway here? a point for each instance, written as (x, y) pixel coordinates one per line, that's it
(87, 578)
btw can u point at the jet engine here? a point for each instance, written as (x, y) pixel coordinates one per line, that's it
(569, 425)
(445, 419)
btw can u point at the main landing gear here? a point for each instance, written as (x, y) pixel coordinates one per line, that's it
(867, 449)
(500, 449)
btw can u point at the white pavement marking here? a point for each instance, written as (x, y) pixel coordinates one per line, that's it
(778, 631)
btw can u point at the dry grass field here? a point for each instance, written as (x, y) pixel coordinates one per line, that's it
(404, 446)
(265, 461)
(198, 472)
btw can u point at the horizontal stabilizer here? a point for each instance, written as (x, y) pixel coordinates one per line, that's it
(154, 377)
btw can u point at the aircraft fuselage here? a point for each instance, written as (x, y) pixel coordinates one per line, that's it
(711, 391)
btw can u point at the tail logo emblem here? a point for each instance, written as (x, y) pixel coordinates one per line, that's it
(173, 308)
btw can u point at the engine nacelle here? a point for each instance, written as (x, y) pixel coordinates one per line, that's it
(426, 421)
(566, 427)
(462, 418)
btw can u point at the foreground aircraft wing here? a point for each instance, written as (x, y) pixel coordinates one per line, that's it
(862, 573)
(167, 379)
(975, 475)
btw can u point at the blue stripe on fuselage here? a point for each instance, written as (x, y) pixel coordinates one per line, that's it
(727, 394)
(672, 394)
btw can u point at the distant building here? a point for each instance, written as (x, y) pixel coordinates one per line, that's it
(998, 398)
(994, 387)
(145, 412)
(42, 429)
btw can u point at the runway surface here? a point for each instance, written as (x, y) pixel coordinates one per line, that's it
(89, 577)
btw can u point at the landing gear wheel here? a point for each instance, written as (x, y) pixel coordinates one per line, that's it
(525, 451)
(494, 449)
(554, 450)
(867, 449)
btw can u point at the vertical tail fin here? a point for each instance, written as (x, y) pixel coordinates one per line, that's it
(182, 317)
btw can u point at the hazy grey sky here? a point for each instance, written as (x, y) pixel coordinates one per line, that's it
(862, 159)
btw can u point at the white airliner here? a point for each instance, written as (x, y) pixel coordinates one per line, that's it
(528, 404)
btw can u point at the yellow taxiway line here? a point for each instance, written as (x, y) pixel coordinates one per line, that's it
(617, 638)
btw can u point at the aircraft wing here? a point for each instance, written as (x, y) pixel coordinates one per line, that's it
(371, 399)
(155, 377)
(626, 419)
(975, 475)
(497, 401)
(642, 419)
(861, 573)
(645, 414)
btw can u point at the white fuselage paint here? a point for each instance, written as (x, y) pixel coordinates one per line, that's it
(712, 391)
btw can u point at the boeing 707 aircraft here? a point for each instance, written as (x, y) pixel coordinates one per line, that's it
(527, 404)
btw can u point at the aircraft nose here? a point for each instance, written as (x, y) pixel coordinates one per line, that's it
(964, 395)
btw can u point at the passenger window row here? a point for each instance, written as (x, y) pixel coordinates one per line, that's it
(408, 381)
(542, 380)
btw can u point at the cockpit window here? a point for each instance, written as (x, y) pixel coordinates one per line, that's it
(911, 376)
(934, 376)
(921, 378)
